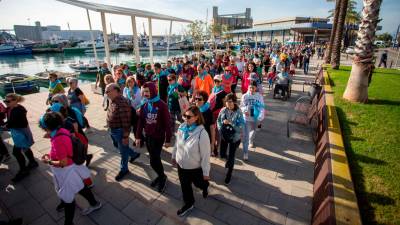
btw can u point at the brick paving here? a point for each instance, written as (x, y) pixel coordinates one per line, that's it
(275, 186)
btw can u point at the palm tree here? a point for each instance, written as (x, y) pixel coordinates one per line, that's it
(352, 17)
(361, 71)
(337, 42)
(335, 20)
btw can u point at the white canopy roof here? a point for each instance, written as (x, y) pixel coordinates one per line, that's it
(122, 11)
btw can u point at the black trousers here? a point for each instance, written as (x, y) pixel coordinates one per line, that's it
(186, 178)
(232, 150)
(17, 152)
(233, 88)
(154, 147)
(70, 207)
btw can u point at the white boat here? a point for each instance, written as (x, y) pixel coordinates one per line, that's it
(82, 67)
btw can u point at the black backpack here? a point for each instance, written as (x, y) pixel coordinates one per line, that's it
(79, 150)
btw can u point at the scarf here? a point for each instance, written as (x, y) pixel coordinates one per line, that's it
(52, 85)
(129, 92)
(53, 133)
(150, 102)
(204, 107)
(186, 129)
(171, 88)
(203, 75)
(227, 75)
(217, 89)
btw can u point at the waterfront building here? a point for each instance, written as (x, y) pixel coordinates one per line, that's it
(291, 29)
(233, 21)
(51, 32)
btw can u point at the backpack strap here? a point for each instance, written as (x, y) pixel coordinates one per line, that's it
(200, 137)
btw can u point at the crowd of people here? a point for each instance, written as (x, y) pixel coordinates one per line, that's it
(191, 104)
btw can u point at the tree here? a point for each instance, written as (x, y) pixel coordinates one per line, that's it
(386, 37)
(363, 62)
(195, 31)
(337, 42)
(333, 32)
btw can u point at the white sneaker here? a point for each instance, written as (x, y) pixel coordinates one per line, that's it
(90, 209)
(245, 156)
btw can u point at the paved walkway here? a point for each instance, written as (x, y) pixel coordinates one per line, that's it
(274, 187)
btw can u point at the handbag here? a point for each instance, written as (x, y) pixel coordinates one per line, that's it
(227, 131)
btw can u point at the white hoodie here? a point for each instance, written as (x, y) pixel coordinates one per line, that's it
(194, 152)
(248, 101)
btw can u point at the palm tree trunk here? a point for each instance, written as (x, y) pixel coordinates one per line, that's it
(333, 31)
(337, 43)
(363, 62)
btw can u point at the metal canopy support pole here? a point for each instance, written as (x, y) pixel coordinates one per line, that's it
(92, 37)
(135, 40)
(256, 40)
(169, 38)
(151, 43)
(105, 37)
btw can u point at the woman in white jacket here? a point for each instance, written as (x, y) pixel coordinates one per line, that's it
(252, 106)
(192, 157)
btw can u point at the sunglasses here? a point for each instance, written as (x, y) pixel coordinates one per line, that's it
(187, 116)
(8, 101)
(199, 99)
(170, 80)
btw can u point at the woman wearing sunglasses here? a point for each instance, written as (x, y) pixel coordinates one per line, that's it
(192, 157)
(201, 100)
(21, 134)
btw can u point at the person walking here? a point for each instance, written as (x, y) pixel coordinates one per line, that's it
(160, 78)
(201, 100)
(230, 122)
(192, 157)
(175, 91)
(66, 178)
(100, 78)
(21, 135)
(119, 123)
(154, 121)
(383, 60)
(55, 87)
(252, 106)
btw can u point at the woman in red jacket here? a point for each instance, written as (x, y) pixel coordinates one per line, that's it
(250, 68)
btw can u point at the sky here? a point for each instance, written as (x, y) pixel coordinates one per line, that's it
(52, 12)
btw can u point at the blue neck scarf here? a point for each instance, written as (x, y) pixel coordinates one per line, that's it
(203, 75)
(204, 107)
(171, 88)
(227, 75)
(217, 89)
(150, 102)
(52, 85)
(53, 133)
(130, 93)
(186, 129)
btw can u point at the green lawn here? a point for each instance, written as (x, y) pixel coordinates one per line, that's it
(372, 139)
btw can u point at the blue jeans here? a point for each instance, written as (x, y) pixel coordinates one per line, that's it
(249, 131)
(117, 135)
(306, 67)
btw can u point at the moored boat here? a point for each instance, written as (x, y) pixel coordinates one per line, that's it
(14, 49)
(18, 83)
(42, 78)
(81, 67)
